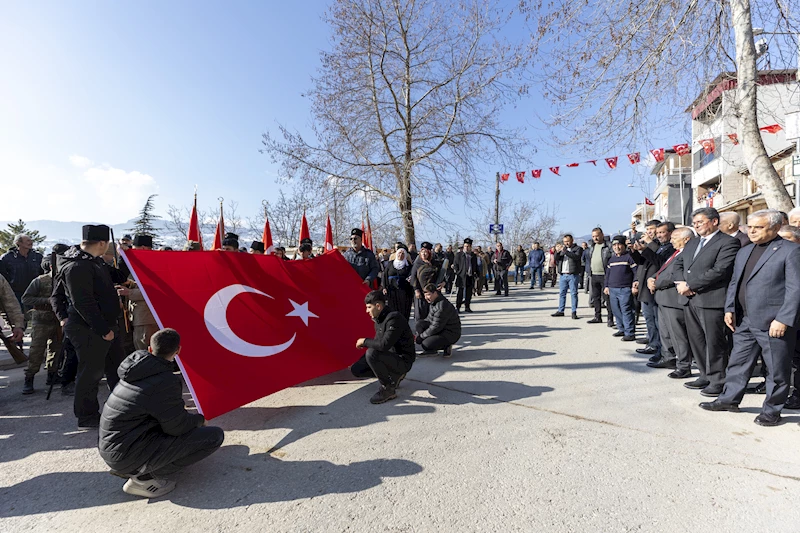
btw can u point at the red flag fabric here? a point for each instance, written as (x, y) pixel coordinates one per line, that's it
(734, 138)
(521, 177)
(634, 158)
(774, 128)
(593, 161)
(572, 165)
(682, 149)
(504, 177)
(537, 173)
(554, 170)
(252, 325)
(708, 145)
(194, 227)
(304, 234)
(647, 201)
(368, 235)
(266, 238)
(328, 235)
(612, 162)
(219, 234)
(658, 154)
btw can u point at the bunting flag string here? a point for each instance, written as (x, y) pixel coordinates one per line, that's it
(708, 146)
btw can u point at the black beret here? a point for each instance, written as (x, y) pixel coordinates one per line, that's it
(258, 246)
(143, 240)
(357, 232)
(306, 241)
(96, 233)
(426, 245)
(232, 236)
(230, 242)
(467, 241)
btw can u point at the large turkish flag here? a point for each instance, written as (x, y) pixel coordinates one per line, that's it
(252, 325)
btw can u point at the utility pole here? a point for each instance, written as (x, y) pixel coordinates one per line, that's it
(497, 205)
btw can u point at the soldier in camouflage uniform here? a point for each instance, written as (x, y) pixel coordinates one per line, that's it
(141, 318)
(46, 336)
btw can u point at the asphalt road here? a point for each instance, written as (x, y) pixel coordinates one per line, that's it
(535, 424)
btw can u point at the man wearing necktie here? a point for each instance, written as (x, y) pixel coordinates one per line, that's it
(702, 273)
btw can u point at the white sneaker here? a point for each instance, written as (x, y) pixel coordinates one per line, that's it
(150, 488)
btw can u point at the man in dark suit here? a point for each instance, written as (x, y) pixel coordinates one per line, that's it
(676, 353)
(729, 225)
(702, 273)
(762, 308)
(466, 268)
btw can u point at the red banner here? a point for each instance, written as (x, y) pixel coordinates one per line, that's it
(572, 165)
(537, 173)
(775, 128)
(708, 145)
(252, 325)
(658, 154)
(734, 138)
(521, 177)
(611, 162)
(634, 158)
(554, 170)
(682, 149)
(504, 177)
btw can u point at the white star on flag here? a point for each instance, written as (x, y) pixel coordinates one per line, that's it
(301, 311)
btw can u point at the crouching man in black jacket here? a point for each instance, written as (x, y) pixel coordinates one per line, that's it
(145, 431)
(391, 353)
(442, 328)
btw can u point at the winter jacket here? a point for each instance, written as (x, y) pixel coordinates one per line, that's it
(90, 291)
(443, 319)
(573, 256)
(536, 258)
(145, 407)
(393, 334)
(140, 313)
(503, 260)
(605, 252)
(520, 258)
(20, 270)
(37, 297)
(10, 305)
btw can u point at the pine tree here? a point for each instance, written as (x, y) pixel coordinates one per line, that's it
(145, 224)
(7, 236)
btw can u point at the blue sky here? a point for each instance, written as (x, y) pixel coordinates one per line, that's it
(103, 103)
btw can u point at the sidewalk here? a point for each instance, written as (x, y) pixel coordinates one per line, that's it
(535, 424)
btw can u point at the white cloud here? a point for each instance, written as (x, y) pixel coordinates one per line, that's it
(81, 191)
(80, 162)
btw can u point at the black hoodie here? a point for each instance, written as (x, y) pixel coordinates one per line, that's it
(145, 407)
(88, 285)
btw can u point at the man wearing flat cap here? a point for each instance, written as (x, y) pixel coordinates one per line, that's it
(91, 323)
(363, 260)
(139, 313)
(466, 268)
(257, 248)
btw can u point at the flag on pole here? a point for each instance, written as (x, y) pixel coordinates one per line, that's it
(304, 234)
(194, 226)
(328, 236)
(266, 238)
(219, 234)
(252, 325)
(368, 234)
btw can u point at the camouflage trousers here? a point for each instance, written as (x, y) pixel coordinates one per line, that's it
(45, 344)
(142, 334)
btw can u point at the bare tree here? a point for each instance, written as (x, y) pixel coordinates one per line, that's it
(529, 222)
(408, 101)
(611, 68)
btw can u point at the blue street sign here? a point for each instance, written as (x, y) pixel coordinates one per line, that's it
(496, 229)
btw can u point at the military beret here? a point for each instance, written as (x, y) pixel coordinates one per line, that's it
(426, 245)
(143, 240)
(230, 242)
(258, 246)
(357, 232)
(306, 241)
(232, 236)
(100, 232)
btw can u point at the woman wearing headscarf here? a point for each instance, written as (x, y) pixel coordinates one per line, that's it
(396, 286)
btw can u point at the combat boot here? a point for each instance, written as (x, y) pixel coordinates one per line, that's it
(27, 388)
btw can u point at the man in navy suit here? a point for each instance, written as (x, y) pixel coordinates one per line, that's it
(761, 308)
(702, 273)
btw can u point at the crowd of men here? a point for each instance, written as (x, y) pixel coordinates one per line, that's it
(712, 297)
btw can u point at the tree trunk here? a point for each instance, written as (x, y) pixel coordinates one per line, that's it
(755, 153)
(404, 203)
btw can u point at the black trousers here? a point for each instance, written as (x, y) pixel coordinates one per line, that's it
(421, 308)
(672, 321)
(501, 281)
(95, 358)
(68, 367)
(361, 368)
(168, 454)
(706, 329)
(387, 366)
(434, 342)
(748, 344)
(464, 294)
(580, 279)
(598, 297)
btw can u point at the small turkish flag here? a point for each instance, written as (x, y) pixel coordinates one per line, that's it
(708, 145)
(219, 234)
(304, 233)
(521, 177)
(647, 201)
(504, 177)
(252, 325)
(682, 149)
(734, 138)
(266, 237)
(537, 173)
(328, 235)
(572, 165)
(554, 170)
(593, 161)
(633, 158)
(775, 128)
(611, 162)
(194, 227)
(658, 154)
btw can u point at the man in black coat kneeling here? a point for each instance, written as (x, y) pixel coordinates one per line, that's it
(391, 353)
(145, 431)
(442, 328)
